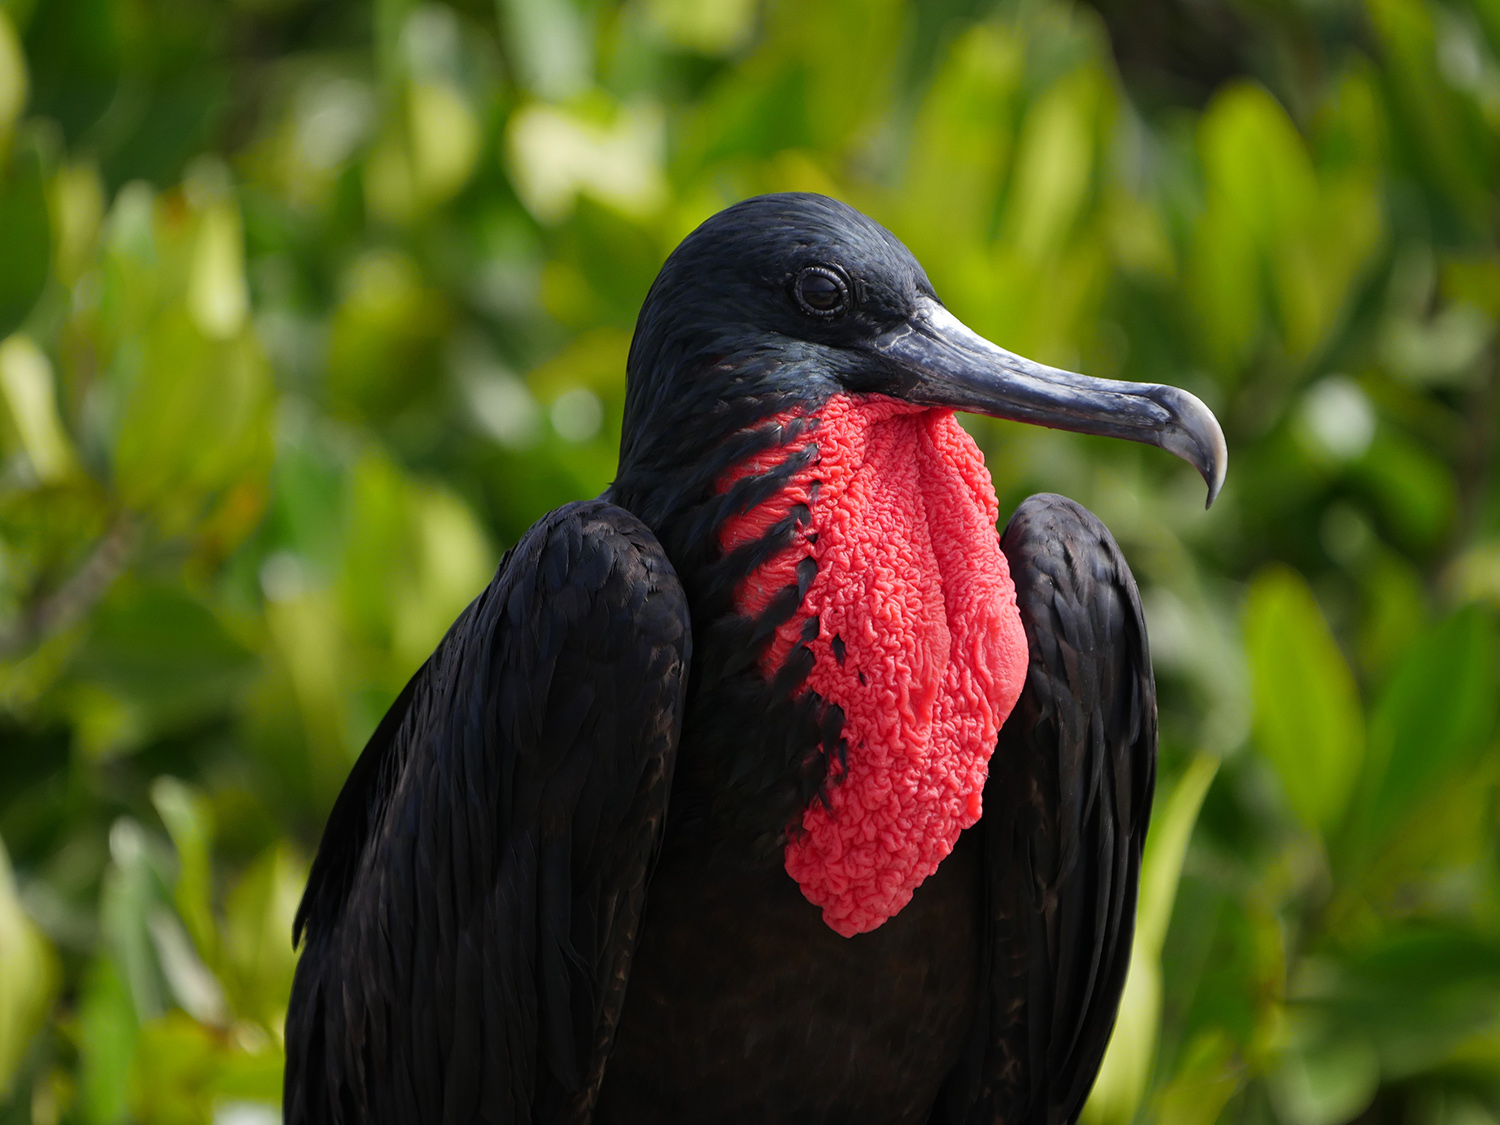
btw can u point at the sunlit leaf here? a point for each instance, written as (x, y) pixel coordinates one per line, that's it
(1324, 1078)
(257, 934)
(445, 140)
(1276, 226)
(28, 977)
(217, 295)
(383, 337)
(29, 395)
(847, 49)
(193, 986)
(133, 889)
(196, 417)
(555, 156)
(76, 198)
(554, 47)
(710, 26)
(13, 79)
(1053, 166)
(1127, 1063)
(175, 1071)
(952, 181)
(106, 1037)
(189, 820)
(307, 633)
(1204, 1082)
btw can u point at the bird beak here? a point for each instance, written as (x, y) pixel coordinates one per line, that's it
(945, 363)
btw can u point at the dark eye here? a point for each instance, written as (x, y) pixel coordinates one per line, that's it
(821, 292)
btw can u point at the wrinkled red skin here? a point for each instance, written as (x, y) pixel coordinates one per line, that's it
(911, 580)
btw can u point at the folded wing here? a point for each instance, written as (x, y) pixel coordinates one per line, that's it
(471, 915)
(1065, 812)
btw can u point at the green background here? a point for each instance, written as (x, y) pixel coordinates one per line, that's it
(309, 307)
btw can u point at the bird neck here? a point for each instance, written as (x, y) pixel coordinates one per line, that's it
(856, 641)
(677, 450)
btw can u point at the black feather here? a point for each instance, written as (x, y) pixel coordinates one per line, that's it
(1065, 813)
(478, 891)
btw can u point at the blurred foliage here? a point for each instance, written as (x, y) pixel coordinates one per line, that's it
(308, 309)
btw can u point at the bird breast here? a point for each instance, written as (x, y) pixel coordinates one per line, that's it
(917, 640)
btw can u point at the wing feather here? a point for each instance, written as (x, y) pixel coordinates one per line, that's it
(1065, 813)
(471, 914)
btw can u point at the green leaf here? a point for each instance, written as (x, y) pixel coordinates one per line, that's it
(28, 392)
(1127, 1063)
(197, 419)
(1054, 166)
(1452, 146)
(1253, 155)
(174, 1072)
(554, 47)
(13, 79)
(1324, 1078)
(1276, 226)
(186, 1074)
(258, 934)
(383, 337)
(711, 27)
(1436, 713)
(133, 887)
(952, 182)
(1416, 993)
(28, 977)
(25, 238)
(1260, 186)
(1414, 488)
(1204, 1082)
(189, 821)
(106, 1036)
(163, 654)
(1308, 722)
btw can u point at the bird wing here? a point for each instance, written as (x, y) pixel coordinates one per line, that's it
(473, 908)
(1065, 811)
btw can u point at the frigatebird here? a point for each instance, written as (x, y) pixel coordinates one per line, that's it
(774, 784)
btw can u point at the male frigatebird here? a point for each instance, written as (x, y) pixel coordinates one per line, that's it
(774, 784)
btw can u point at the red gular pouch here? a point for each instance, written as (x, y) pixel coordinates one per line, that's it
(918, 641)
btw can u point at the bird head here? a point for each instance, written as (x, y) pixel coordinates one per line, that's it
(794, 298)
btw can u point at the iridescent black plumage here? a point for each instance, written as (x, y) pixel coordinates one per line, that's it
(589, 784)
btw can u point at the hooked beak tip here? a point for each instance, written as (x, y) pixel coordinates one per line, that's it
(1218, 462)
(1195, 435)
(1215, 486)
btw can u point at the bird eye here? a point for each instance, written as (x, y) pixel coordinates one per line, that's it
(821, 292)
